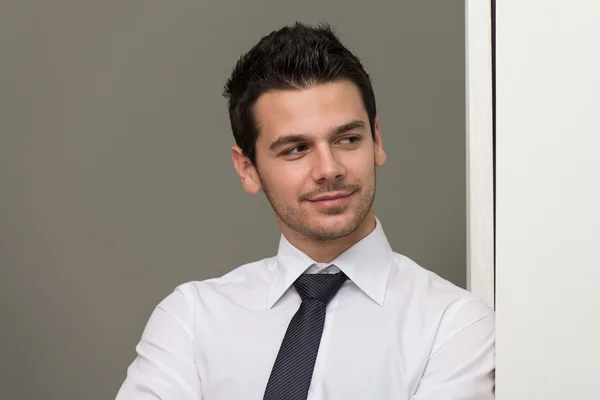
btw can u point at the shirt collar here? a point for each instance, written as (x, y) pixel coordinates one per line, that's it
(367, 264)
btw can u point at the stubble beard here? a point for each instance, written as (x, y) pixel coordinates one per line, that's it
(297, 219)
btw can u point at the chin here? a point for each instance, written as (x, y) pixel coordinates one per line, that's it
(334, 222)
(334, 215)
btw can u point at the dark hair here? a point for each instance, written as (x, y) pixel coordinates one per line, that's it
(290, 58)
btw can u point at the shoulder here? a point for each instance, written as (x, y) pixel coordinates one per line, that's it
(449, 312)
(435, 294)
(240, 283)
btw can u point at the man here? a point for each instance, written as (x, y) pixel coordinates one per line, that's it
(336, 314)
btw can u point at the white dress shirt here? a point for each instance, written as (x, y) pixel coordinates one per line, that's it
(393, 331)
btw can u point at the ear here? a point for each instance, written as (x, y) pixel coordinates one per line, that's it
(380, 156)
(246, 171)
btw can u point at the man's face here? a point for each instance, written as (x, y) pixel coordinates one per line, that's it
(316, 159)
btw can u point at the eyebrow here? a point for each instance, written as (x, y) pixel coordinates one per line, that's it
(295, 138)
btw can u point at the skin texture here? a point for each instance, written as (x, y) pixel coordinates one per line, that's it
(316, 142)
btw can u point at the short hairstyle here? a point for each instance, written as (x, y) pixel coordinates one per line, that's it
(293, 57)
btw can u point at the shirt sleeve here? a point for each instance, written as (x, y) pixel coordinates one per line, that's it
(164, 367)
(462, 363)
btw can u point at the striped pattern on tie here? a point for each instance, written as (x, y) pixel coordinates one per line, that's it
(292, 372)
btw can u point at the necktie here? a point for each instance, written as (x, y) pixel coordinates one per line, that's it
(292, 372)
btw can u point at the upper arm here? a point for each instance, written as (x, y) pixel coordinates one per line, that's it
(462, 363)
(164, 367)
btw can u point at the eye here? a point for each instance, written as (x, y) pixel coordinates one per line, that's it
(295, 150)
(349, 140)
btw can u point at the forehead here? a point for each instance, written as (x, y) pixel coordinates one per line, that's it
(315, 110)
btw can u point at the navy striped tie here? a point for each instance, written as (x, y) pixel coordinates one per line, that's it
(292, 372)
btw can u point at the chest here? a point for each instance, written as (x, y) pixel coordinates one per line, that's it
(366, 351)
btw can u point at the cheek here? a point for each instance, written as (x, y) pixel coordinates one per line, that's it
(285, 182)
(360, 167)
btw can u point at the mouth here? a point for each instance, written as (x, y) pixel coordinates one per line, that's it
(329, 200)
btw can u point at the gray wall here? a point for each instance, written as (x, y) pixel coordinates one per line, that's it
(115, 171)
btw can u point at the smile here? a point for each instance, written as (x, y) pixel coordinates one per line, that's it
(332, 200)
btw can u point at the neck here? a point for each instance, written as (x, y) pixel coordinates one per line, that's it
(327, 251)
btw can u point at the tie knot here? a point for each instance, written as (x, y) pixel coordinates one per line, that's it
(319, 286)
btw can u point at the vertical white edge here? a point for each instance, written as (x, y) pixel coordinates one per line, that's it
(479, 150)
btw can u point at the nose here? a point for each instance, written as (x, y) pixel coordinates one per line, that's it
(326, 167)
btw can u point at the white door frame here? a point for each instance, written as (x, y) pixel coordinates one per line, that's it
(480, 153)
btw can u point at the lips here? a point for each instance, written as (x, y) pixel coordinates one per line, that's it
(332, 200)
(331, 196)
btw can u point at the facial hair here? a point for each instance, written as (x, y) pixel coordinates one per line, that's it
(298, 220)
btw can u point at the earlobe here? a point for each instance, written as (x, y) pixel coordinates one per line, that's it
(246, 171)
